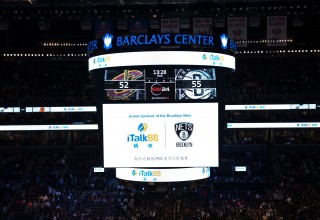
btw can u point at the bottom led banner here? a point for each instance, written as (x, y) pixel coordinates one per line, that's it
(163, 175)
(48, 127)
(275, 125)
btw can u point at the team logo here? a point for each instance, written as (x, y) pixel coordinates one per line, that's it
(237, 32)
(224, 41)
(276, 30)
(107, 41)
(183, 130)
(138, 25)
(125, 93)
(196, 84)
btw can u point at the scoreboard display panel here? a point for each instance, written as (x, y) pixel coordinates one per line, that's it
(160, 84)
(160, 116)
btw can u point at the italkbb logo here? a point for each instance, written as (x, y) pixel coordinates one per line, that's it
(142, 137)
(149, 173)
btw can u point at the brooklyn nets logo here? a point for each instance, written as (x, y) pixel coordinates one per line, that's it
(183, 130)
(195, 83)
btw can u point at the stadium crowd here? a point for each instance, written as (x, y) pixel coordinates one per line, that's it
(274, 79)
(60, 184)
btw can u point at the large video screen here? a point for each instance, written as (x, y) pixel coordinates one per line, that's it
(162, 83)
(160, 134)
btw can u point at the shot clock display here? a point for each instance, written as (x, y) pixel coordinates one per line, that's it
(153, 83)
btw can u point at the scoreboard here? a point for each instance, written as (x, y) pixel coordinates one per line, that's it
(160, 107)
(160, 83)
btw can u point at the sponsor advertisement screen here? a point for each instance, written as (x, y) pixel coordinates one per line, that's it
(160, 134)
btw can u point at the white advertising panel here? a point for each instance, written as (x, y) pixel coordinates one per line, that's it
(275, 125)
(48, 127)
(160, 135)
(270, 107)
(240, 168)
(74, 109)
(163, 175)
(6, 109)
(98, 169)
(41, 109)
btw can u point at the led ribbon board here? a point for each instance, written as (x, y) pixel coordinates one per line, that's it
(163, 175)
(189, 58)
(315, 124)
(48, 127)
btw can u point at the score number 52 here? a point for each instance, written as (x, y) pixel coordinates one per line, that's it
(123, 85)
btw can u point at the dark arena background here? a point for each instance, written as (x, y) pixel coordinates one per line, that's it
(61, 155)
